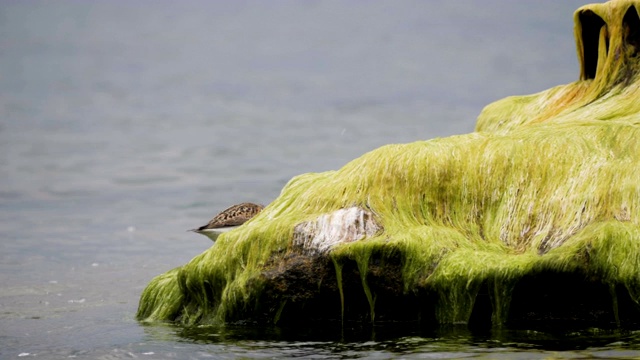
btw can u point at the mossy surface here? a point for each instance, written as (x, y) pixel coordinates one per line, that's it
(548, 183)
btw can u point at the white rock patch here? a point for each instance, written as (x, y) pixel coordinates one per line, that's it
(329, 230)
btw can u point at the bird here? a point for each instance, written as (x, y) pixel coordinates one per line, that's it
(229, 219)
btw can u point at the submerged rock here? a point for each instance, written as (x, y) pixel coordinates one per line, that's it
(532, 218)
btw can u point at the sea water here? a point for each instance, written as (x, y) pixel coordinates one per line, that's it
(123, 124)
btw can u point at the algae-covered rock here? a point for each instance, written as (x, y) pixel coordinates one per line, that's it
(535, 216)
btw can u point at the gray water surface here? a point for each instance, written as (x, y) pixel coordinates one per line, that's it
(122, 124)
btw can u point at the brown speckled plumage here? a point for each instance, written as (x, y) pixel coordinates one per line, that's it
(233, 216)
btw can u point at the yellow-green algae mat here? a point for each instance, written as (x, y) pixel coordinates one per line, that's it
(548, 182)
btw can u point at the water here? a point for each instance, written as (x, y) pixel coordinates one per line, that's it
(122, 124)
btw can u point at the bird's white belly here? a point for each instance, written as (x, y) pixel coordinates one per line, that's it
(214, 233)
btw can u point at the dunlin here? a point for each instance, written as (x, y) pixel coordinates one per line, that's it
(229, 219)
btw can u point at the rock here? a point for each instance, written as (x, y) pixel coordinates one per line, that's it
(329, 230)
(533, 218)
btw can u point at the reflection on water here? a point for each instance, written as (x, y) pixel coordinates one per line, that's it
(123, 125)
(392, 342)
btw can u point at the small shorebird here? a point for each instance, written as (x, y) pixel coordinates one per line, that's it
(229, 219)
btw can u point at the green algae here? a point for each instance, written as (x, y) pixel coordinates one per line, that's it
(338, 268)
(548, 182)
